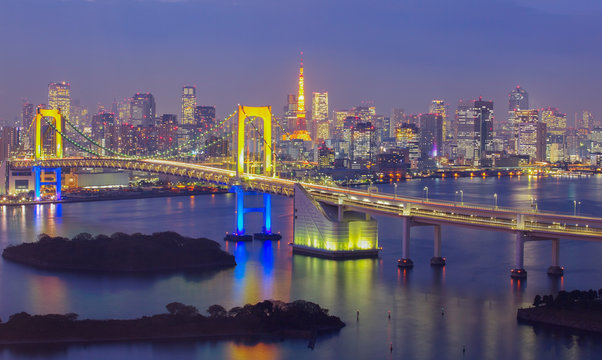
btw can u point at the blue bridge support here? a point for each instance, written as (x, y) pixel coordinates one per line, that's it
(266, 210)
(37, 170)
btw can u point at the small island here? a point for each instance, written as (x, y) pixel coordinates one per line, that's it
(270, 318)
(162, 251)
(575, 310)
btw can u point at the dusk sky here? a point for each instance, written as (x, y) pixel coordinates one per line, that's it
(395, 53)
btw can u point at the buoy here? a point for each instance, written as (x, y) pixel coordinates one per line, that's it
(358, 315)
(391, 347)
(442, 311)
(389, 314)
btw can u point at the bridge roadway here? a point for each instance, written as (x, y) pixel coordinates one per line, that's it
(537, 225)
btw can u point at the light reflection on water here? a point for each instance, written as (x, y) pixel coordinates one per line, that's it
(434, 312)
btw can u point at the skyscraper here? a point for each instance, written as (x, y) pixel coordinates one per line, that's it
(431, 132)
(320, 122)
(398, 117)
(320, 106)
(441, 108)
(27, 114)
(531, 135)
(188, 105)
(474, 121)
(518, 99)
(59, 97)
(204, 117)
(142, 110)
(555, 121)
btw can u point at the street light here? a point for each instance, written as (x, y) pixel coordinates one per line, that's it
(395, 185)
(575, 203)
(426, 188)
(495, 200)
(461, 196)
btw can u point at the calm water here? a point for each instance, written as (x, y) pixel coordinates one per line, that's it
(475, 289)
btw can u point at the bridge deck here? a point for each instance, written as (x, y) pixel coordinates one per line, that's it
(539, 224)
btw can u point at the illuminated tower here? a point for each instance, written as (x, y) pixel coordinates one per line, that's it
(188, 105)
(301, 123)
(59, 97)
(301, 132)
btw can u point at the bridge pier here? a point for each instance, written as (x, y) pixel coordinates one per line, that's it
(519, 254)
(240, 211)
(437, 260)
(555, 269)
(405, 261)
(38, 183)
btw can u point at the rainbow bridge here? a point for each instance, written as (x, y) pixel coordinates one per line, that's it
(338, 222)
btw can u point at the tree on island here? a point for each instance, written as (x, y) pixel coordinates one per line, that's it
(217, 311)
(179, 309)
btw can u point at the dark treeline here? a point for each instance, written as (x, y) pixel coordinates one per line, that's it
(274, 318)
(121, 252)
(575, 299)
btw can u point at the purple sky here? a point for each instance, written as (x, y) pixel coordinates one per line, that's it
(396, 53)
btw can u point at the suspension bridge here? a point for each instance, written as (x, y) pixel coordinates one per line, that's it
(329, 221)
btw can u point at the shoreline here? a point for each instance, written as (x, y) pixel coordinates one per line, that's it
(569, 319)
(109, 198)
(269, 319)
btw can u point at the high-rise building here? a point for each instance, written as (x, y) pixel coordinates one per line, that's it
(398, 117)
(431, 135)
(531, 135)
(363, 143)
(320, 123)
(28, 112)
(483, 112)
(555, 121)
(290, 113)
(79, 114)
(319, 108)
(204, 117)
(9, 142)
(518, 99)
(408, 137)
(441, 108)
(325, 157)
(142, 110)
(585, 122)
(59, 97)
(124, 111)
(188, 105)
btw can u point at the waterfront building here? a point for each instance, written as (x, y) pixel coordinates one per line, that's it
(431, 137)
(59, 97)
(142, 110)
(531, 135)
(187, 116)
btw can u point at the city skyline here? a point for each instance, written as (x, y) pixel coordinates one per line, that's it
(333, 62)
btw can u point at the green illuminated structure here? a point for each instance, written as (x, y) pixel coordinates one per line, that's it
(332, 231)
